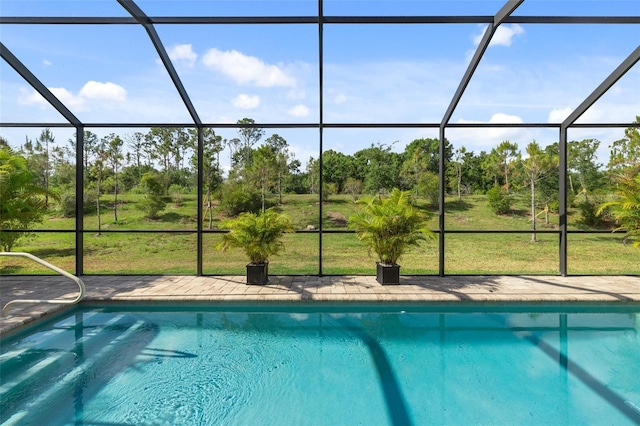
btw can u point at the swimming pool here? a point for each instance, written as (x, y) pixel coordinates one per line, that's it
(319, 365)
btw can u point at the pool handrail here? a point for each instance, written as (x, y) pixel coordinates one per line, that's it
(77, 280)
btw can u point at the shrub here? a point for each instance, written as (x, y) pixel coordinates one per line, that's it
(589, 212)
(499, 200)
(152, 202)
(429, 186)
(554, 206)
(176, 192)
(352, 187)
(237, 199)
(67, 204)
(327, 190)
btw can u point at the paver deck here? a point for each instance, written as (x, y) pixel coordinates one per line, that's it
(303, 289)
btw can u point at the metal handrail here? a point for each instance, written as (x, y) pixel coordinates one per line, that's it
(53, 268)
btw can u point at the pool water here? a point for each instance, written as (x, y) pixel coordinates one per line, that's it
(319, 365)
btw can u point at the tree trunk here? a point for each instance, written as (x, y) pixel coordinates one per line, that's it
(459, 182)
(533, 211)
(546, 215)
(506, 178)
(115, 198)
(573, 191)
(584, 190)
(98, 206)
(210, 208)
(263, 195)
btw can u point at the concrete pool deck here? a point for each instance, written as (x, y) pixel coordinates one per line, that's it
(169, 289)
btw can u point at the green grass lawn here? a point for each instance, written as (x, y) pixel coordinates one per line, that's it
(175, 253)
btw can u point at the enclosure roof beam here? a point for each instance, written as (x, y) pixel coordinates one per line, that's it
(147, 23)
(498, 19)
(21, 69)
(431, 19)
(621, 70)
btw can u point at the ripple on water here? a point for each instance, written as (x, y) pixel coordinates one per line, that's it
(203, 383)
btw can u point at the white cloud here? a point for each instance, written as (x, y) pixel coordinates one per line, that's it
(502, 37)
(488, 137)
(71, 101)
(558, 115)
(103, 91)
(505, 33)
(299, 111)
(31, 97)
(247, 70)
(296, 94)
(245, 101)
(498, 118)
(46, 63)
(340, 98)
(184, 54)
(92, 90)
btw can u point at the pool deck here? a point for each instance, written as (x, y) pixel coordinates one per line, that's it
(189, 290)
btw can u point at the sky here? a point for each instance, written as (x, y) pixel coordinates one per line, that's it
(531, 73)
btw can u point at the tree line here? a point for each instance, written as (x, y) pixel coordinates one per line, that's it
(163, 162)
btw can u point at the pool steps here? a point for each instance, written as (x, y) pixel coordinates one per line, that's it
(41, 367)
(60, 389)
(48, 336)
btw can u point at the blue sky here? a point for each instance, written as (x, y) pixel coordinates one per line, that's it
(372, 73)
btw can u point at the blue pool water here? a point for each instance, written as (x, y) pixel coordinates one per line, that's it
(318, 365)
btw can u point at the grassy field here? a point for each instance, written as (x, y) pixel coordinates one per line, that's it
(175, 253)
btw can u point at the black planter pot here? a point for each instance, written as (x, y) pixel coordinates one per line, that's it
(388, 274)
(257, 273)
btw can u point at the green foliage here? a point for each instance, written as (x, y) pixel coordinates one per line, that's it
(583, 166)
(353, 187)
(589, 213)
(152, 202)
(337, 168)
(67, 203)
(176, 192)
(389, 226)
(499, 200)
(237, 198)
(429, 186)
(626, 207)
(625, 153)
(328, 189)
(378, 167)
(22, 201)
(130, 176)
(258, 235)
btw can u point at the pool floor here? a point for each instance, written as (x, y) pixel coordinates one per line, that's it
(321, 365)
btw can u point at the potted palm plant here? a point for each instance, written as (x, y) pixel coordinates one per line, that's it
(260, 236)
(389, 226)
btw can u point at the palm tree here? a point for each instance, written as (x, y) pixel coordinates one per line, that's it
(626, 207)
(260, 236)
(389, 226)
(22, 203)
